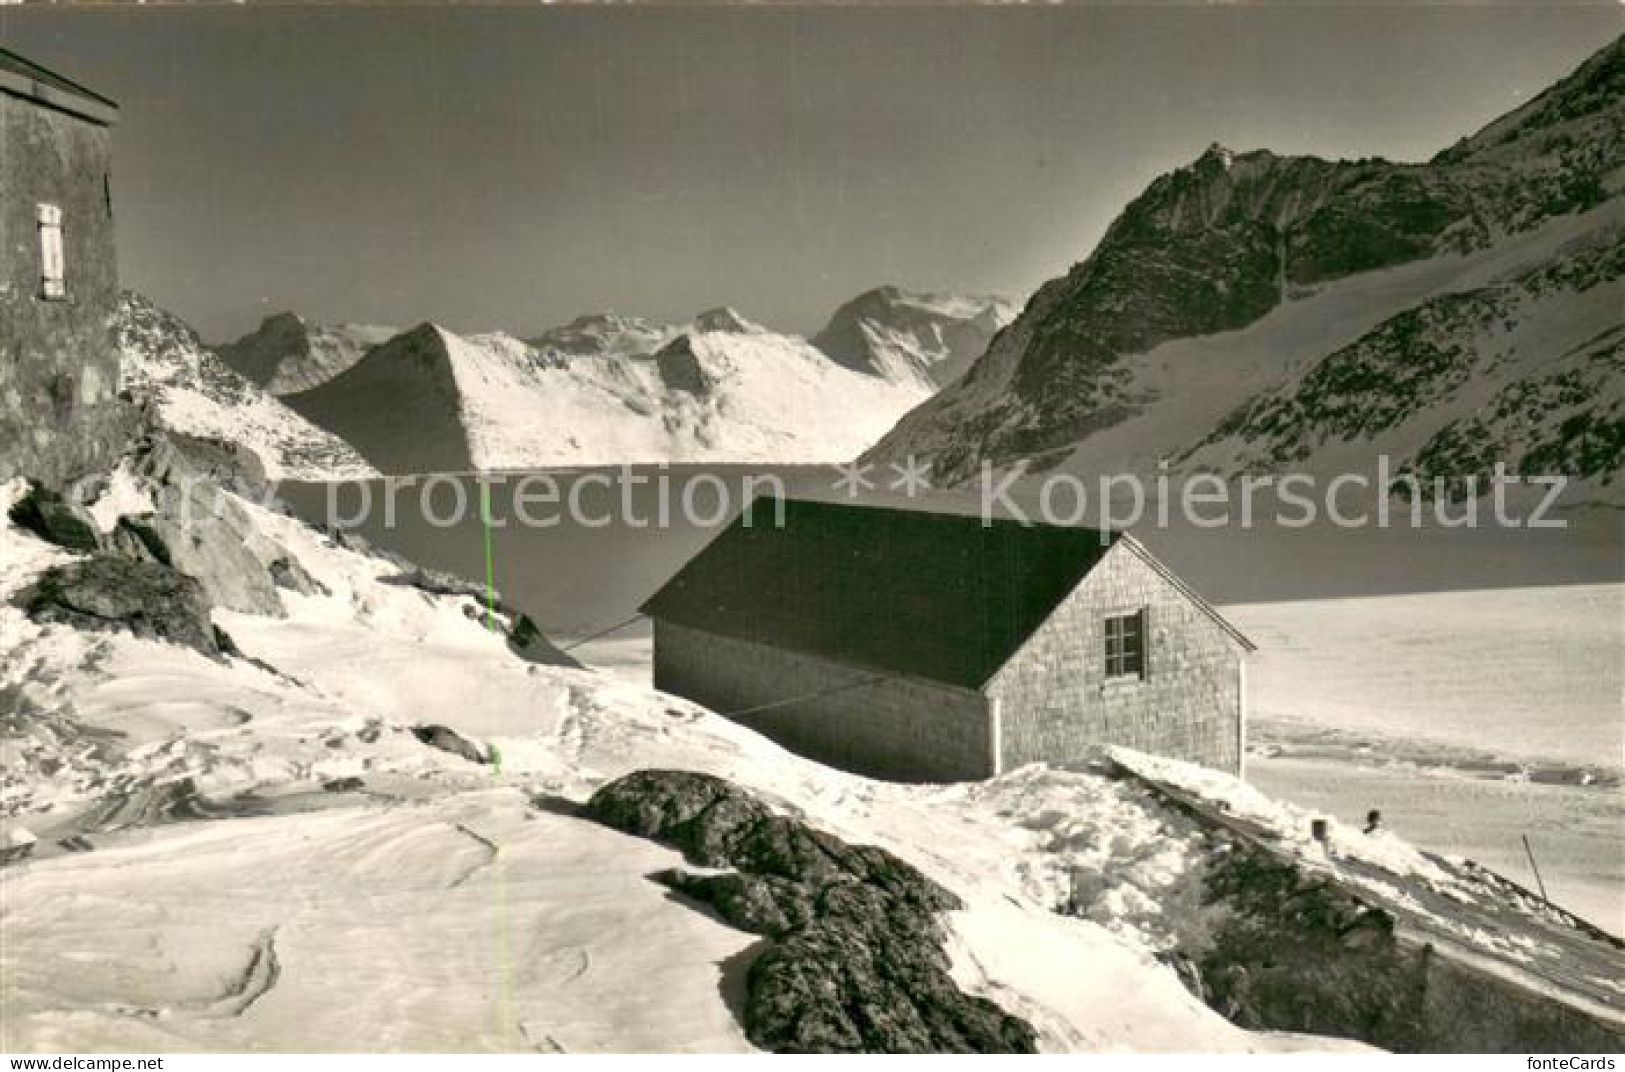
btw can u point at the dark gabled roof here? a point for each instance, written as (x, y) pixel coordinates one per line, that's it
(936, 596)
(943, 597)
(27, 79)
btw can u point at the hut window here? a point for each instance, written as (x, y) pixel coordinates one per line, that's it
(52, 284)
(1125, 645)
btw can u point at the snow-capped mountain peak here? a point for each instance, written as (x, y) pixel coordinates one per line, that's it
(737, 393)
(924, 339)
(726, 319)
(286, 354)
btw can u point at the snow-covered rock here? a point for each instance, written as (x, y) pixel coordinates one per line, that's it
(188, 389)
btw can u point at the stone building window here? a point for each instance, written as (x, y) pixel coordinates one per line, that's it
(1125, 645)
(52, 275)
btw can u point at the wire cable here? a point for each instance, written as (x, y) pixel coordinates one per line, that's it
(810, 695)
(588, 639)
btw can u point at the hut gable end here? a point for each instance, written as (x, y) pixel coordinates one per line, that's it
(1058, 702)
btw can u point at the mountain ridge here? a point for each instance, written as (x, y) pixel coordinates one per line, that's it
(1219, 245)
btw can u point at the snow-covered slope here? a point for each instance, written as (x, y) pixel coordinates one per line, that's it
(929, 339)
(1228, 281)
(469, 907)
(726, 390)
(1515, 370)
(285, 354)
(165, 366)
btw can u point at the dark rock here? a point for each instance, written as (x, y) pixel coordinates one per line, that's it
(527, 641)
(349, 784)
(135, 537)
(698, 813)
(110, 592)
(55, 519)
(762, 904)
(1294, 951)
(449, 740)
(223, 641)
(832, 987)
(854, 963)
(287, 572)
(681, 369)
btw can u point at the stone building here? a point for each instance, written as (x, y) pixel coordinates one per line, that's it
(59, 413)
(933, 647)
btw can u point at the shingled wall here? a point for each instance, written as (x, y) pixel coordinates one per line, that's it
(1056, 703)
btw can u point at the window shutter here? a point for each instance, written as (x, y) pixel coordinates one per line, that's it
(52, 270)
(1145, 642)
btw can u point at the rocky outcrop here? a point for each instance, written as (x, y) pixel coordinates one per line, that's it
(109, 592)
(1294, 952)
(199, 529)
(56, 519)
(172, 457)
(681, 369)
(1557, 407)
(854, 961)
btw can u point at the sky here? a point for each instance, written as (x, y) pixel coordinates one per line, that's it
(511, 168)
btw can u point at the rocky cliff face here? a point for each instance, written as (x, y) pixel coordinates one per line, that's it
(1224, 243)
(1515, 371)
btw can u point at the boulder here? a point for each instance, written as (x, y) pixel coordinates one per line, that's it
(348, 784)
(449, 740)
(700, 814)
(287, 572)
(170, 457)
(196, 526)
(56, 519)
(110, 592)
(854, 961)
(207, 534)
